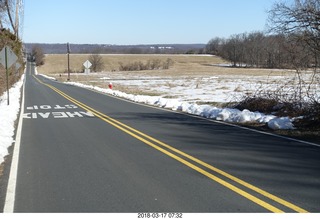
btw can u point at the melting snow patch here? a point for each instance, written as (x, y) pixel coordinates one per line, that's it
(280, 123)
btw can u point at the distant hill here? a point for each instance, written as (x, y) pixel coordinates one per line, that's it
(118, 49)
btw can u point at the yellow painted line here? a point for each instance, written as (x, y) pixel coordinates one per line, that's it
(126, 129)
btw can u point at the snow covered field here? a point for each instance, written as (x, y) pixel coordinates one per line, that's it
(195, 89)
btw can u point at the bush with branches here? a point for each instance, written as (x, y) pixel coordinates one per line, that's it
(97, 62)
(150, 65)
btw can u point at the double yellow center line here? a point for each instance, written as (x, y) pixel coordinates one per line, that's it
(183, 158)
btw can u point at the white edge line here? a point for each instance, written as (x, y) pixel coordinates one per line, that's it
(11, 189)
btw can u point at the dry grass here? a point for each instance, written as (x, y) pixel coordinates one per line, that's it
(183, 65)
(58, 63)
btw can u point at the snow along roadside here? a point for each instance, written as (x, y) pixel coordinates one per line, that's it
(8, 116)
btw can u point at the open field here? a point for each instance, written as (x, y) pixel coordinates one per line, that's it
(183, 64)
(58, 63)
(192, 78)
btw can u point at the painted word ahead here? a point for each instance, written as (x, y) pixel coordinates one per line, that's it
(55, 111)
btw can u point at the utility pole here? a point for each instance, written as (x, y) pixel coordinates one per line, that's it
(68, 53)
(18, 25)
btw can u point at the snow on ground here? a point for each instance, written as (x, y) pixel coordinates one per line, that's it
(220, 88)
(8, 116)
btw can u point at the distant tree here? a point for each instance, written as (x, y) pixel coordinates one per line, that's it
(97, 62)
(191, 51)
(135, 51)
(214, 46)
(233, 50)
(38, 55)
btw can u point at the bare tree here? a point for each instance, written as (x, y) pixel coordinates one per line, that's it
(9, 7)
(11, 11)
(303, 17)
(300, 23)
(38, 55)
(214, 46)
(233, 49)
(97, 62)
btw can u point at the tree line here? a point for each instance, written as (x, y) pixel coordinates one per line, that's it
(258, 49)
(292, 39)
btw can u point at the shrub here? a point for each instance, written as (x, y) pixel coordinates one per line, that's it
(10, 40)
(311, 119)
(150, 65)
(260, 104)
(97, 62)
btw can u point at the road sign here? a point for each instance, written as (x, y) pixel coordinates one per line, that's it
(7, 59)
(87, 64)
(11, 57)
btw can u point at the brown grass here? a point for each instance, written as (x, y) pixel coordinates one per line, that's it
(183, 65)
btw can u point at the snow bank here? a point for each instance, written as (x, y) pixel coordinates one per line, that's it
(8, 115)
(207, 111)
(281, 123)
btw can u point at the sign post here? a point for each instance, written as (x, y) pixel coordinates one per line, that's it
(68, 52)
(87, 64)
(7, 59)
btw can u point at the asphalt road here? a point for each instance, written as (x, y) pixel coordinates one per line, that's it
(82, 151)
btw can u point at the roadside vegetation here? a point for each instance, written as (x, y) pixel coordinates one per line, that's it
(9, 39)
(9, 36)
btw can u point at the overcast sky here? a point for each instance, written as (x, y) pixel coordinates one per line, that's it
(128, 22)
